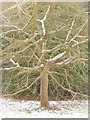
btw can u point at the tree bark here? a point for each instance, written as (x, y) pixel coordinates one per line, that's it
(44, 87)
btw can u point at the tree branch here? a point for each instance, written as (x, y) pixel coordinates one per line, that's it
(24, 89)
(70, 30)
(69, 90)
(27, 69)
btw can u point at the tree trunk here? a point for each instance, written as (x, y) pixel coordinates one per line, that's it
(44, 87)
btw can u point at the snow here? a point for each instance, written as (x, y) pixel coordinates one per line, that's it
(66, 61)
(58, 56)
(31, 109)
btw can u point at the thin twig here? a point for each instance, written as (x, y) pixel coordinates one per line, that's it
(26, 88)
(67, 88)
(70, 30)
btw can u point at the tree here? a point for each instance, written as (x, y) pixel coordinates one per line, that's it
(25, 49)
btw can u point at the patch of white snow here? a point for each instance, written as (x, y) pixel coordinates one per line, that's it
(31, 109)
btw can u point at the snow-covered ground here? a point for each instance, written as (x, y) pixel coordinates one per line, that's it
(31, 109)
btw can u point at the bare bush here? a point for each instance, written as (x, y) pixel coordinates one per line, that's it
(32, 52)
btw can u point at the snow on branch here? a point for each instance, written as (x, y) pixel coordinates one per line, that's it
(66, 61)
(18, 67)
(46, 13)
(43, 26)
(70, 60)
(42, 21)
(58, 56)
(14, 62)
(75, 43)
(27, 69)
(55, 48)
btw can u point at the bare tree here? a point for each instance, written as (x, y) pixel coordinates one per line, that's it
(31, 55)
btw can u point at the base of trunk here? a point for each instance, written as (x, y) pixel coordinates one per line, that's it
(44, 88)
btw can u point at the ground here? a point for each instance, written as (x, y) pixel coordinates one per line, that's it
(31, 109)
